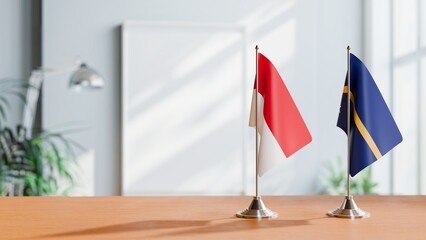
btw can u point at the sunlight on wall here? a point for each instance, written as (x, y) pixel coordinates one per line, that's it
(186, 121)
(188, 92)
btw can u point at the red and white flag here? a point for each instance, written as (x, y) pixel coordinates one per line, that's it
(280, 126)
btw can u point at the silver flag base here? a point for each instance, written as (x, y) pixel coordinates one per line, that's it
(257, 209)
(348, 209)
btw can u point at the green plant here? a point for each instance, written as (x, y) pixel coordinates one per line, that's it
(41, 164)
(35, 166)
(333, 181)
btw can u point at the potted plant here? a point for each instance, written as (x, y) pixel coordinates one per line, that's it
(40, 164)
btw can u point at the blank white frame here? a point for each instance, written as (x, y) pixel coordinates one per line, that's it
(130, 26)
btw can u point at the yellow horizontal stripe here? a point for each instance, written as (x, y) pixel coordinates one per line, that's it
(362, 129)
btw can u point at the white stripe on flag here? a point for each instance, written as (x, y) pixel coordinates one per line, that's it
(270, 152)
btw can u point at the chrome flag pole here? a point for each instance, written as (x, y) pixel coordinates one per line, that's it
(257, 124)
(257, 208)
(348, 208)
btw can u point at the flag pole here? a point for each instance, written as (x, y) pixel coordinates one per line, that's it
(348, 122)
(348, 208)
(257, 133)
(257, 208)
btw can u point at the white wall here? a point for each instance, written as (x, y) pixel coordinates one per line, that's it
(15, 47)
(305, 39)
(395, 57)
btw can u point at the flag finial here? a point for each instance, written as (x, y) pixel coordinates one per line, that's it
(349, 48)
(257, 47)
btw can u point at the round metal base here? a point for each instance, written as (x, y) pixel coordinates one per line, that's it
(257, 209)
(348, 209)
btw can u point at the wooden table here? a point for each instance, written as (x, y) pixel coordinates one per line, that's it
(301, 217)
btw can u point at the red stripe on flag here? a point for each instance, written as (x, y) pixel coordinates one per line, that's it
(279, 110)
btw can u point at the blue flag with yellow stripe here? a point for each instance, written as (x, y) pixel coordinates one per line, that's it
(373, 131)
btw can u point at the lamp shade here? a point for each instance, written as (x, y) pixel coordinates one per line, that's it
(86, 77)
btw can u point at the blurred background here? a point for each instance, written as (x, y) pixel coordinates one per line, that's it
(172, 117)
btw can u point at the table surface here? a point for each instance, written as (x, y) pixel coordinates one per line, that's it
(300, 217)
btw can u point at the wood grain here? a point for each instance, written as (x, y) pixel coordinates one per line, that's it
(300, 217)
